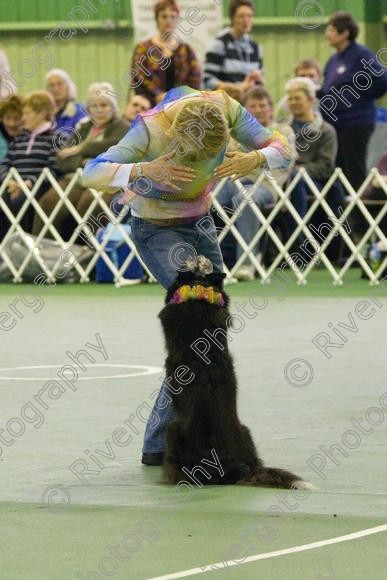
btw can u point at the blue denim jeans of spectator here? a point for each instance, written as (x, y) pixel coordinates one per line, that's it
(335, 199)
(299, 199)
(247, 223)
(163, 249)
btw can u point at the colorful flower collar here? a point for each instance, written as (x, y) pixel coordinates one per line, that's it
(198, 292)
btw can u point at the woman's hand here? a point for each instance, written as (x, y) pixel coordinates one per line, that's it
(67, 151)
(255, 76)
(240, 164)
(13, 188)
(164, 171)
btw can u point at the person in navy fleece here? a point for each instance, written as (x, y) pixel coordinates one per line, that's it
(353, 79)
(68, 112)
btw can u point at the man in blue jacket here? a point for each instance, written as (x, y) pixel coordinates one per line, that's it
(353, 78)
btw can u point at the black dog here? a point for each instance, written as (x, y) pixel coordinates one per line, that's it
(206, 406)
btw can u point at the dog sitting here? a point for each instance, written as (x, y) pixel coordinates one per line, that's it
(206, 407)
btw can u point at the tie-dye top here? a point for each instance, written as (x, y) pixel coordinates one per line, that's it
(148, 139)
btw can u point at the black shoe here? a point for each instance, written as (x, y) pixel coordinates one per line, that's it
(152, 458)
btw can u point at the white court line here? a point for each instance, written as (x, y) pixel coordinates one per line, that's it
(147, 370)
(295, 549)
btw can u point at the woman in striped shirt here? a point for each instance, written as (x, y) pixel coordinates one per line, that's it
(235, 58)
(30, 152)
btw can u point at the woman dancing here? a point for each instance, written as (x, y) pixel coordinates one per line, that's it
(170, 161)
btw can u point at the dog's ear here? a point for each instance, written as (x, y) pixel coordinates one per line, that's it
(216, 278)
(185, 277)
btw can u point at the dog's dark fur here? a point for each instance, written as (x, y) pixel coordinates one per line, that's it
(206, 408)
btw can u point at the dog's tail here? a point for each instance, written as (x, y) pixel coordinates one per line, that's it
(272, 477)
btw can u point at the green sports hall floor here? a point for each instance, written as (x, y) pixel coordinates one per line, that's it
(42, 539)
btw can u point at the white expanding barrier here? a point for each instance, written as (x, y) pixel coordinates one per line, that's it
(82, 221)
(356, 250)
(353, 199)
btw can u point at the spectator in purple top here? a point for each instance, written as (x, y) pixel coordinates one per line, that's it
(353, 79)
(68, 112)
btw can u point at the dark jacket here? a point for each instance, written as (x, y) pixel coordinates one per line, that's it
(347, 68)
(316, 147)
(88, 149)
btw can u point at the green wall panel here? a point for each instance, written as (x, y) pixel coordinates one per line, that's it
(104, 55)
(48, 10)
(58, 10)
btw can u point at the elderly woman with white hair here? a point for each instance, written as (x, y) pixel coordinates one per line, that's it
(316, 140)
(316, 143)
(68, 112)
(94, 135)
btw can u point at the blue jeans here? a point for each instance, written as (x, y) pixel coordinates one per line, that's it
(163, 249)
(299, 199)
(247, 223)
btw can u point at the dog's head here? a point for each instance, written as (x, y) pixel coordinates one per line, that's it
(194, 302)
(198, 282)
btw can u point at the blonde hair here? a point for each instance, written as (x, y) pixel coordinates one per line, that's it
(41, 101)
(302, 84)
(203, 124)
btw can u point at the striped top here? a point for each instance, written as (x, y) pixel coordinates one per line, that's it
(148, 139)
(29, 153)
(231, 59)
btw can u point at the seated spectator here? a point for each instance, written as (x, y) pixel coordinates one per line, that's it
(259, 103)
(67, 111)
(29, 153)
(11, 123)
(137, 104)
(96, 135)
(316, 147)
(234, 57)
(169, 66)
(307, 68)
(346, 101)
